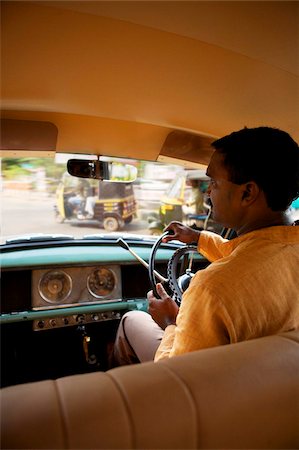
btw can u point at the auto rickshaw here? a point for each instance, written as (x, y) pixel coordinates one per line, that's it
(111, 204)
(185, 201)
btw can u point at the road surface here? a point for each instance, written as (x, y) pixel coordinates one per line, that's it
(23, 213)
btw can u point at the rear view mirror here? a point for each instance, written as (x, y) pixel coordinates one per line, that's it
(102, 170)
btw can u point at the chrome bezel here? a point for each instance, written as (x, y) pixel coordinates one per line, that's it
(108, 269)
(42, 294)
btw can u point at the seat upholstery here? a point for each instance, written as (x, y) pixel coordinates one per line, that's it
(243, 395)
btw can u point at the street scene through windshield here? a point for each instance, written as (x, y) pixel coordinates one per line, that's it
(39, 196)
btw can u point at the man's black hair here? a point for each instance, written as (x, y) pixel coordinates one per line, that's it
(268, 156)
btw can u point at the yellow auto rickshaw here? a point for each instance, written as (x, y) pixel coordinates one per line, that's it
(185, 200)
(111, 204)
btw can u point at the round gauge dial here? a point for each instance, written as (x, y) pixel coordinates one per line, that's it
(55, 286)
(101, 282)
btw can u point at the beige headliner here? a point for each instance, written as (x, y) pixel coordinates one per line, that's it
(117, 77)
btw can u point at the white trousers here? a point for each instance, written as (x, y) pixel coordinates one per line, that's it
(137, 339)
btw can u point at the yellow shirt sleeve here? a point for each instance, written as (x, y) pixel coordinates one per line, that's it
(202, 322)
(211, 245)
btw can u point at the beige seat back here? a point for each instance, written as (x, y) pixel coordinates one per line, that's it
(243, 395)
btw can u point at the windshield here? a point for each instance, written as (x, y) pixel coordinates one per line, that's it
(39, 196)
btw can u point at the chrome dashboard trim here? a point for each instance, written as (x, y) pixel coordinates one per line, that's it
(27, 316)
(80, 293)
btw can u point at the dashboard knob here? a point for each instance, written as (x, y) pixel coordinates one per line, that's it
(80, 318)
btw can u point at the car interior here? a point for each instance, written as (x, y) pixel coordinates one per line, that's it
(144, 87)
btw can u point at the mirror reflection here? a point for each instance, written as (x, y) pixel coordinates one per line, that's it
(102, 170)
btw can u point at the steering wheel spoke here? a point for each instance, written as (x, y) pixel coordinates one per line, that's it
(178, 270)
(179, 264)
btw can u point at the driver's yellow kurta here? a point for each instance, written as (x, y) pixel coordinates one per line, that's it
(250, 290)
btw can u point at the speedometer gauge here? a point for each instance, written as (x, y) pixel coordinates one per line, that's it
(101, 282)
(55, 286)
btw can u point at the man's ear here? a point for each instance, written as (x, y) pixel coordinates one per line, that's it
(250, 192)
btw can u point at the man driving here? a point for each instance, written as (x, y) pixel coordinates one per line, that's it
(251, 287)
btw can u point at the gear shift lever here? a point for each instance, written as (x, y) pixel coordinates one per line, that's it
(124, 245)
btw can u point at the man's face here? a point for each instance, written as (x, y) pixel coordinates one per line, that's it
(225, 196)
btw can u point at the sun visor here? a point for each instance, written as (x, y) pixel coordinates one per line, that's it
(187, 149)
(18, 135)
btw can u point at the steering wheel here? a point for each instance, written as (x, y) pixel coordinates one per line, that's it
(178, 270)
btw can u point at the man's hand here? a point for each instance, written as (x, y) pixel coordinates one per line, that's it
(163, 310)
(181, 233)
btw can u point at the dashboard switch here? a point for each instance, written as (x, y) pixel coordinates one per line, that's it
(80, 318)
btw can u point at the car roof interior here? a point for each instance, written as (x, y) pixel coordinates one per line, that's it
(150, 80)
